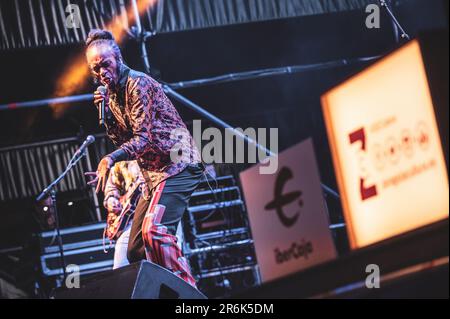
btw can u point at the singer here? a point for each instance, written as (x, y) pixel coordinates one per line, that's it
(139, 119)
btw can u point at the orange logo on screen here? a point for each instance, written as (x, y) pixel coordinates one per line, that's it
(366, 191)
(405, 145)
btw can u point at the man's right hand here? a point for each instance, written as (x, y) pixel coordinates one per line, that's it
(99, 97)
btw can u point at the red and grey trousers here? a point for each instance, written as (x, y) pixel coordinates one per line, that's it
(155, 222)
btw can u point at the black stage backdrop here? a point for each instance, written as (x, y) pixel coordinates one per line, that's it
(289, 102)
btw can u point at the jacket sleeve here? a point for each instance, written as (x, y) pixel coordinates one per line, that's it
(139, 102)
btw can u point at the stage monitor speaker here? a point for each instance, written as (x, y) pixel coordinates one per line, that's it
(143, 280)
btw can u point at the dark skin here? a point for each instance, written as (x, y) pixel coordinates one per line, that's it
(104, 67)
(101, 175)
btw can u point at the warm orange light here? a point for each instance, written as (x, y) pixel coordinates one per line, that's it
(386, 149)
(76, 73)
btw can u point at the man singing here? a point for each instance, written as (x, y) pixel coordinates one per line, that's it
(145, 126)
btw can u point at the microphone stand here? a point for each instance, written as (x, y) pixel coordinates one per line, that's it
(50, 190)
(396, 24)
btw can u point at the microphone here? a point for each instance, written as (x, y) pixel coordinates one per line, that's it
(76, 157)
(88, 141)
(101, 106)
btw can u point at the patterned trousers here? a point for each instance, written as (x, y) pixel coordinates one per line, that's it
(154, 225)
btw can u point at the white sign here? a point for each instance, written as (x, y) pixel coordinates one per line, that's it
(386, 148)
(287, 214)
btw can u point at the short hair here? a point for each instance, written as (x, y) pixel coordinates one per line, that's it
(97, 36)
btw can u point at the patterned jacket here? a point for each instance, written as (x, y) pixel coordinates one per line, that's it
(143, 122)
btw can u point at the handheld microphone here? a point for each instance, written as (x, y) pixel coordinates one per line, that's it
(101, 106)
(88, 141)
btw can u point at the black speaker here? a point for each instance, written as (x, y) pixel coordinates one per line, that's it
(143, 280)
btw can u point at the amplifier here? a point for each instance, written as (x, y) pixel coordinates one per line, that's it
(219, 240)
(72, 238)
(218, 182)
(89, 259)
(214, 194)
(220, 257)
(214, 217)
(82, 246)
(227, 282)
